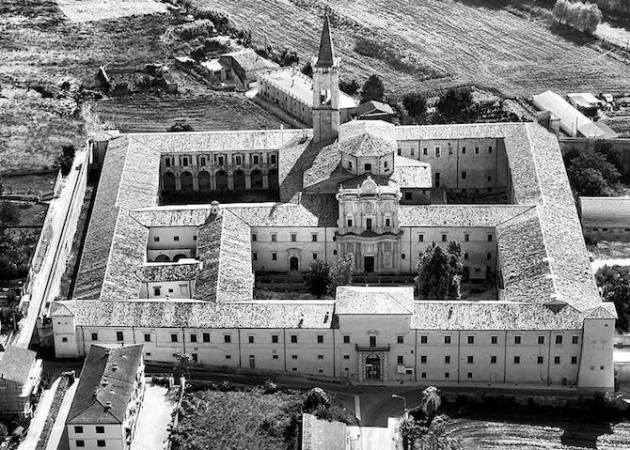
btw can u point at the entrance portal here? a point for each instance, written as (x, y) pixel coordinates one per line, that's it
(368, 264)
(373, 367)
(294, 264)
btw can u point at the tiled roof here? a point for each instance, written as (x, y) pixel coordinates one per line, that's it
(198, 314)
(249, 60)
(365, 145)
(16, 363)
(494, 315)
(374, 300)
(108, 375)
(605, 211)
(411, 173)
(457, 215)
(224, 249)
(373, 106)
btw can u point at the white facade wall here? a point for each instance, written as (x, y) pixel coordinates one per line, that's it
(112, 435)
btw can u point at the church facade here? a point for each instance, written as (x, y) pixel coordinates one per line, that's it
(181, 278)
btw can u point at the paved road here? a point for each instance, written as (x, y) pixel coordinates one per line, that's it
(56, 434)
(41, 413)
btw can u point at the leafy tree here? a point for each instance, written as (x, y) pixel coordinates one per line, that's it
(614, 283)
(181, 126)
(416, 105)
(584, 17)
(182, 365)
(307, 70)
(456, 105)
(373, 89)
(439, 272)
(340, 273)
(349, 87)
(10, 317)
(591, 173)
(318, 278)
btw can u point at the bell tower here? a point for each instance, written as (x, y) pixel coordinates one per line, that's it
(325, 91)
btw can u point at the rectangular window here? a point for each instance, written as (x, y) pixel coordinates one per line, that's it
(274, 356)
(421, 238)
(78, 429)
(157, 291)
(368, 224)
(293, 237)
(423, 374)
(400, 359)
(346, 356)
(254, 237)
(494, 339)
(444, 238)
(206, 337)
(273, 159)
(100, 429)
(147, 337)
(425, 151)
(119, 336)
(423, 359)
(559, 339)
(470, 360)
(493, 360)
(320, 338)
(314, 237)
(176, 238)
(541, 339)
(517, 340)
(471, 339)
(476, 150)
(556, 360)
(173, 338)
(100, 443)
(293, 356)
(228, 356)
(447, 375)
(227, 339)
(274, 338)
(346, 339)
(447, 359)
(80, 443)
(424, 339)
(490, 149)
(469, 375)
(255, 159)
(95, 336)
(387, 222)
(437, 152)
(489, 238)
(463, 150)
(193, 338)
(372, 341)
(400, 339)
(294, 339)
(349, 222)
(254, 256)
(156, 239)
(574, 360)
(367, 167)
(574, 339)
(314, 255)
(463, 175)
(488, 256)
(466, 237)
(274, 237)
(466, 255)
(517, 360)
(274, 256)
(250, 339)
(540, 360)
(447, 339)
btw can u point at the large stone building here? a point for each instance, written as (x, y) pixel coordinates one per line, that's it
(180, 278)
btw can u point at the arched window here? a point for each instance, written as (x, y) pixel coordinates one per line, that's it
(168, 181)
(222, 180)
(239, 180)
(187, 181)
(204, 181)
(256, 179)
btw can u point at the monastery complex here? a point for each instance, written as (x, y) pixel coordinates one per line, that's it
(181, 278)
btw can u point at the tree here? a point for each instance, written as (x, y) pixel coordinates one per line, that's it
(614, 283)
(182, 365)
(456, 105)
(10, 317)
(372, 89)
(307, 70)
(349, 87)
(318, 277)
(591, 173)
(439, 272)
(180, 126)
(340, 273)
(65, 160)
(416, 106)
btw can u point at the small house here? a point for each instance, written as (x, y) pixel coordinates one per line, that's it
(20, 376)
(242, 67)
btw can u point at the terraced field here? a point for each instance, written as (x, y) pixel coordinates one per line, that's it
(465, 40)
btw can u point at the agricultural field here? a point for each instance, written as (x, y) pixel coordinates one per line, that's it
(41, 48)
(445, 42)
(495, 434)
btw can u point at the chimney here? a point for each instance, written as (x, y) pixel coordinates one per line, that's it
(114, 367)
(108, 405)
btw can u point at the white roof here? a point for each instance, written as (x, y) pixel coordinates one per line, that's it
(301, 87)
(572, 121)
(213, 65)
(584, 99)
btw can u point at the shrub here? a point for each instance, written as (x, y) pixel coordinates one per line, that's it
(65, 160)
(578, 15)
(317, 278)
(416, 105)
(350, 87)
(199, 28)
(373, 89)
(181, 126)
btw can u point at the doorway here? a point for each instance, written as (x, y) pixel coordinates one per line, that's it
(294, 264)
(368, 264)
(373, 367)
(252, 361)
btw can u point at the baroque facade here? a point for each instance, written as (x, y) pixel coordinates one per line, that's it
(180, 278)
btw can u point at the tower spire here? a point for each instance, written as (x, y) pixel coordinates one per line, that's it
(326, 56)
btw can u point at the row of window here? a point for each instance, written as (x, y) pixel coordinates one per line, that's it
(438, 151)
(613, 229)
(78, 429)
(274, 256)
(444, 237)
(175, 238)
(202, 160)
(274, 237)
(275, 338)
(99, 443)
(367, 167)
(493, 360)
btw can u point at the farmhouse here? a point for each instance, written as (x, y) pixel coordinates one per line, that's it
(243, 66)
(181, 278)
(20, 376)
(107, 401)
